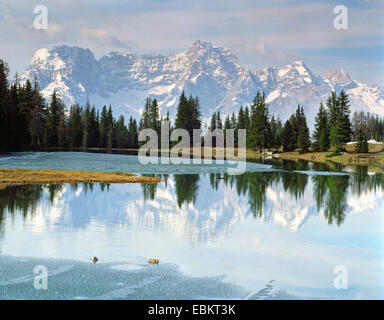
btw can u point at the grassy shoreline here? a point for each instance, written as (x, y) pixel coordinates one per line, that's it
(48, 176)
(374, 160)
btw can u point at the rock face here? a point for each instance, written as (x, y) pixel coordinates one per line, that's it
(211, 72)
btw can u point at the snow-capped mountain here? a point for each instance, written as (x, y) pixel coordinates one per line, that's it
(211, 72)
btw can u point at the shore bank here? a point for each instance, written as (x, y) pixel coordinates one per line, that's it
(45, 176)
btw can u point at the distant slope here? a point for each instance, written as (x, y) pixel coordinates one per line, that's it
(211, 72)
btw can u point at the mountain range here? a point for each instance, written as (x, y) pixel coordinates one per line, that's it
(213, 73)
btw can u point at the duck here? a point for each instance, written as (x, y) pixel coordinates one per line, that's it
(153, 261)
(95, 259)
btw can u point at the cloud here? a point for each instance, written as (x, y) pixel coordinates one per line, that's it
(260, 33)
(259, 49)
(24, 24)
(105, 38)
(255, 54)
(55, 29)
(10, 18)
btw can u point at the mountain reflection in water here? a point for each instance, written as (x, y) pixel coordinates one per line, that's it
(201, 207)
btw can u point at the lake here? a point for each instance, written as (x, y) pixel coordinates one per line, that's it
(281, 230)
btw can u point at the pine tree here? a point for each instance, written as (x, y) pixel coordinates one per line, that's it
(321, 133)
(303, 140)
(188, 114)
(62, 130)
(153, 117)
(37, 122)
(219, 122)
(194, 104)
(333, 109)
(344, 107)
(212, 127)
(241, 121)
(288, 137)
(75, 127)
(279, 134)
(15, 125)
(85, 125)
(339, 122)
(3, 103)
(93, 128)
(121, 133)
(227, 125)
(247, 118)
(182, 112)
(273, 130)
(110, 134)
(25, 106)
(260, 136)
(295, 129)
(132, 133)
(146, 114)
(362, 143)
(336, 135)
(54, 116)
(103, 126)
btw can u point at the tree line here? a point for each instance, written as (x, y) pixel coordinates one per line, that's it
(27, 121)
(333, 127)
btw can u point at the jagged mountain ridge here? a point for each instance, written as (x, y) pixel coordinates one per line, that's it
(211, 72)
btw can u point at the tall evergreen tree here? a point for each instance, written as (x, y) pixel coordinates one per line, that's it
(121, 133)
(288, 137)
(339, 122)
(273, 130)
(303, 140)
(279, 134)
(362, 143)
(227, 125)
(241, 121)
(345, 111)
(103, 128)
(213, 124)
(110, 134)
(188, 114)
(146, 114)
(247, 118)
(260, 136)
(154, 117)
(3, 103)
(321, 133)
(54, 117)
(182, 112)
(336, 135)
(75, 127)
(37, 121)
(132, 133)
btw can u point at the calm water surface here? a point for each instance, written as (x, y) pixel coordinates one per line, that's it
(275, 232)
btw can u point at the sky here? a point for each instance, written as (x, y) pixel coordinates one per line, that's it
(261, 33)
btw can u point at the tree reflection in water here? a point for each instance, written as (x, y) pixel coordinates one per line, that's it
(329, 191)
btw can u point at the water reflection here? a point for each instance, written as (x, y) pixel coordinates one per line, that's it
(203, 206)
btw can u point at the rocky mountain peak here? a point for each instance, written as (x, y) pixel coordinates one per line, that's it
(340, 76)
(211, 72)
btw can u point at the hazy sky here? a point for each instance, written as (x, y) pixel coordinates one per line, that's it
(260, 33)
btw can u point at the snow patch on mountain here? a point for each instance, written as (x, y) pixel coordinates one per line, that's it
(212, 72)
